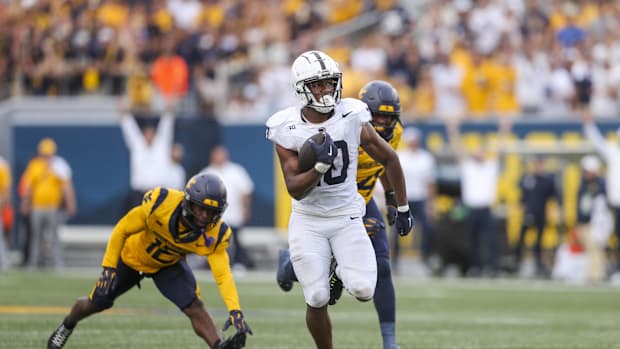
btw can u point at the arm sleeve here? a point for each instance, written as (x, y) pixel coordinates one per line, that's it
(131, 131)
(133, 222)
(433, 169)
(596, 138)
(220, 267)
(165, 129)
(245, 181)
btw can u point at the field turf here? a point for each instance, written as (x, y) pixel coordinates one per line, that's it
(434, 314)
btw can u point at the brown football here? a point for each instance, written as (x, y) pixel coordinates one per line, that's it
(306, 155)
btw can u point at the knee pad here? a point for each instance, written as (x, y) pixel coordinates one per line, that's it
(362, 290)
(317, 297)
(383, 268)
(102, 303)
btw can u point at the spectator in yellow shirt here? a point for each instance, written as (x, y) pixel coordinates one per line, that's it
(47, 187)
(503, 84)
(5, 201)
(477, 87)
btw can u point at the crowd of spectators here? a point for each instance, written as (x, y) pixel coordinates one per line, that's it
(472, 58)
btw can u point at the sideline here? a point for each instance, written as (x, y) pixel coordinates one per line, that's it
(38, 310)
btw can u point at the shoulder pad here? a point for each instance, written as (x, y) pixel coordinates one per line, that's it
(280, 118)
(355, 107)
(152, 199)
(278, 130)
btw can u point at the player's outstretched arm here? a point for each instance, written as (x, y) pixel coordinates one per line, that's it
(382, 152)
(594, 135)
(454, 138)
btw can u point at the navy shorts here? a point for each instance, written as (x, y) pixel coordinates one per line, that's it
(176, 282)
(380, 240)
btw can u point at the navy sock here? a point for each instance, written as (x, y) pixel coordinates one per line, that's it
(385, 297)
(68, 324)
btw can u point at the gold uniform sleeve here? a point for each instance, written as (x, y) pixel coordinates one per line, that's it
(132, 223)
(220, 267)
(369, 170)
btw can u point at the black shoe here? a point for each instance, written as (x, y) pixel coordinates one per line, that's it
(283, 276)
(58, 339)
(335, 286)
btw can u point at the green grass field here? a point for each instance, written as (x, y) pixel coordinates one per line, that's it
(435, 314)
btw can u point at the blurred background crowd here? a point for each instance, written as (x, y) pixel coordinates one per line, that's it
(231, 58)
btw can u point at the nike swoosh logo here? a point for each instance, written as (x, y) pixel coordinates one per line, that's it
(353, 218)
(346, 114)
(330, 151)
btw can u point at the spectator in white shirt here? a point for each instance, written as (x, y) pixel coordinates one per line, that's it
(447, 79)
(604, 103)
(532, 73)
(177, 175)
(149, 153)
(479, 179)
(559, 90)
(420, 177)
(610, 152)
(239, 188)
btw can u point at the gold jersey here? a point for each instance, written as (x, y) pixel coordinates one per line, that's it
(368, 170)
(144, 241)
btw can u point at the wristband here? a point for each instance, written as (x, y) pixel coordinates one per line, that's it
(403, 208)
(322, 167)
(390, 197)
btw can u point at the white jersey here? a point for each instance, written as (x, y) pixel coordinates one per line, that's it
(336, 194)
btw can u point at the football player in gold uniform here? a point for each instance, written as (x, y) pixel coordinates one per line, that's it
(152, 241)
(384, 104)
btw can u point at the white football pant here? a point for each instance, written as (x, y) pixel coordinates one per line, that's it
(313, 240)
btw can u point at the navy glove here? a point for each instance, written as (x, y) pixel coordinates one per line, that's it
(404, 223)
(391, 204)
(373, 225)
(235, 318)
(325, 152)
(236, 341)
(106, 281)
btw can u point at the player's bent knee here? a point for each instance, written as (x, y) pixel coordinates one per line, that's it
(383, 268)
(317, 298)
(195, 306)
(362, 290)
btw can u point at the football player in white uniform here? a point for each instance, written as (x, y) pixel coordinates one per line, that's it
(327, 209)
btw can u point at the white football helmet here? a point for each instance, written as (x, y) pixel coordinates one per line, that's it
(314, 66)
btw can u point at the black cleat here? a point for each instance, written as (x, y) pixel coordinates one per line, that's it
(335, 286)
(283, 275)
(60, 336)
